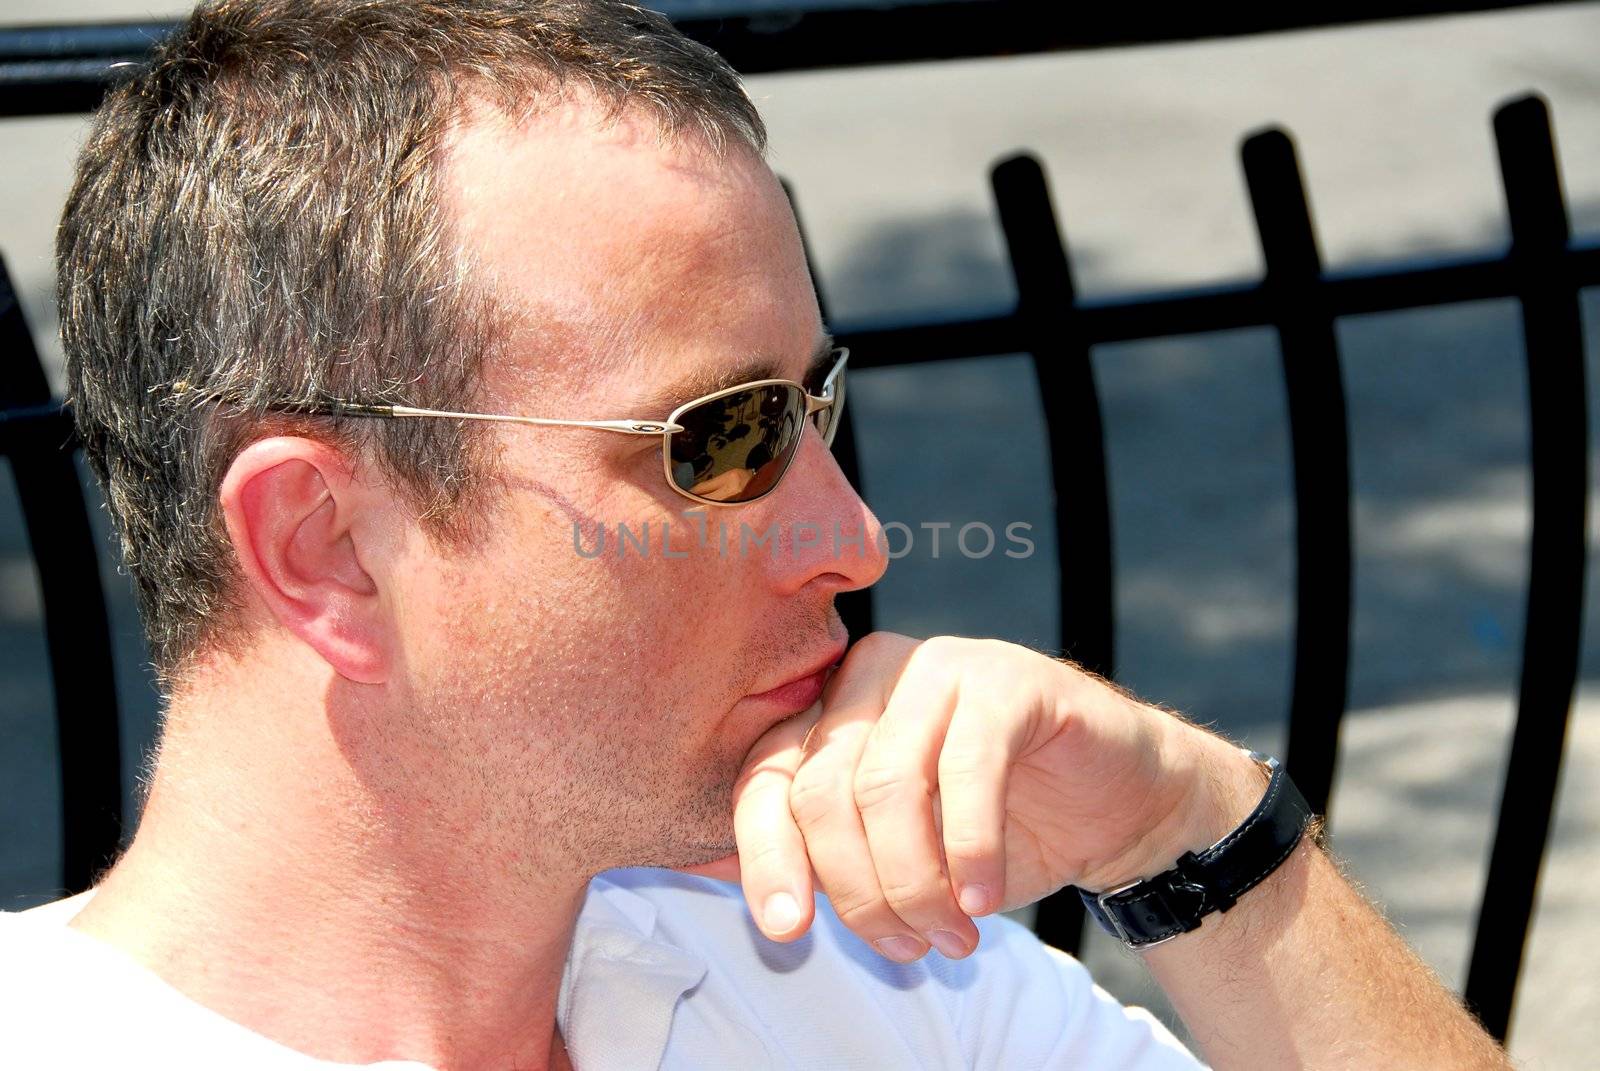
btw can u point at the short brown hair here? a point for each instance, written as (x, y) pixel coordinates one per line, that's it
(256, 216)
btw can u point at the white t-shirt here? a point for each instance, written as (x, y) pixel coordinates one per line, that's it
(666, 970)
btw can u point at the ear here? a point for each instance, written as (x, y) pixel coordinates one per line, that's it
(292, 508)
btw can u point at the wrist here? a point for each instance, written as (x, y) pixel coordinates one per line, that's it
(1222, 785)
(1156, 908)
(1231, 786)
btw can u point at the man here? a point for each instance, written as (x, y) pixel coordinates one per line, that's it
(433, 786)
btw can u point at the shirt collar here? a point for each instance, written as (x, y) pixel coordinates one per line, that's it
(621, 984)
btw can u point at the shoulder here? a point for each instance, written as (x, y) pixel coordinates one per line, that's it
(36, 945)
(1014, 1002)
(68, 999)
(49, 983)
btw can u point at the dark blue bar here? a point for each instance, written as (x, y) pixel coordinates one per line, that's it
(77, 633)
(1558, 425)
(1049, 327)
(767, 37)
(1319, 440)
(855, 607)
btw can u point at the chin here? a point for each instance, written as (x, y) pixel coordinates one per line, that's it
(691, 845)
(683, 833)
(673, 854)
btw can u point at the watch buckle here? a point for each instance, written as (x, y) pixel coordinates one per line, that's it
(1181, 880)
(1122, 934)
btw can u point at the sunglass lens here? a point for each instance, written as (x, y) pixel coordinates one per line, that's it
(735, 448)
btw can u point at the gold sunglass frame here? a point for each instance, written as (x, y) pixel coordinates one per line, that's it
(665, 428)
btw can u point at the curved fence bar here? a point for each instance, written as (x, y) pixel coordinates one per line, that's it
(855, 607)
(1558, 425)
(1071, 404)
(38, 443)
(1319, 442)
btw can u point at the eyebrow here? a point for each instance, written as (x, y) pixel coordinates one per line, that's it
(708, 380)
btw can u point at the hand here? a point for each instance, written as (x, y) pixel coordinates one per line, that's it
(949, 778)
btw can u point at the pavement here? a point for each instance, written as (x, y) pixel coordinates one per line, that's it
(889, 168)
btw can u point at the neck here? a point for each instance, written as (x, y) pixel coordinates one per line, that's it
(269, 884)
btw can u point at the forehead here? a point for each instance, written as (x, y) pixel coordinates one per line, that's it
(633, 263)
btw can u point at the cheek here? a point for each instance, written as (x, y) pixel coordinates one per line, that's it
(694, 615)
(541, 618)
(682, 638)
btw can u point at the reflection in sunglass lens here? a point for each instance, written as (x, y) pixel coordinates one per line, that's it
(735, 448)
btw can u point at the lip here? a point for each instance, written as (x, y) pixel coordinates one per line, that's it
(798, 693)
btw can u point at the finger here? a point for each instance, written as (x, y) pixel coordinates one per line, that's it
(974, 771)
(823, 804)
(822, 799)
(894, 786)
(773, 868)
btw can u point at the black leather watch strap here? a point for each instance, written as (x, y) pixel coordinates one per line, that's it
(1147, 912)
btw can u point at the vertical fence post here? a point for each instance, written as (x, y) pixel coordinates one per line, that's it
(1558, 422)
(77, 632)
(1294, 289)
(855, 607)
(1046, 301)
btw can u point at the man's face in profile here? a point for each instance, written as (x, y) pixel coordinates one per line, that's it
(600, 707)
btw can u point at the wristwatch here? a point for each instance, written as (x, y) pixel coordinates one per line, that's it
(1150, 911)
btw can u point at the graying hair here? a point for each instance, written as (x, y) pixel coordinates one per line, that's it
(256, 217)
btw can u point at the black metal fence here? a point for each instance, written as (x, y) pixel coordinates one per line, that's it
(45, 71)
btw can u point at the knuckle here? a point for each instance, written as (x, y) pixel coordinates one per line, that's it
(999, 648)
(943, 644)
(862, 910)
(877, 643)
(962, 766)
(975, 649)
(938, 652)
(912, 899)
(970, 843)
(875, 786)
(765, 854)
(942, 661)
(758, 779)
(814, 795)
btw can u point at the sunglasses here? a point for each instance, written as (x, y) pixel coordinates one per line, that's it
(725, 448)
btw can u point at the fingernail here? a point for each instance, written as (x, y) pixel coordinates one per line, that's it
(974, 899)
(899, 949)
(780, 913)
(948, 944)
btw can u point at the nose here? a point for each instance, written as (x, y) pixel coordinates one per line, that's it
(827, 536)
